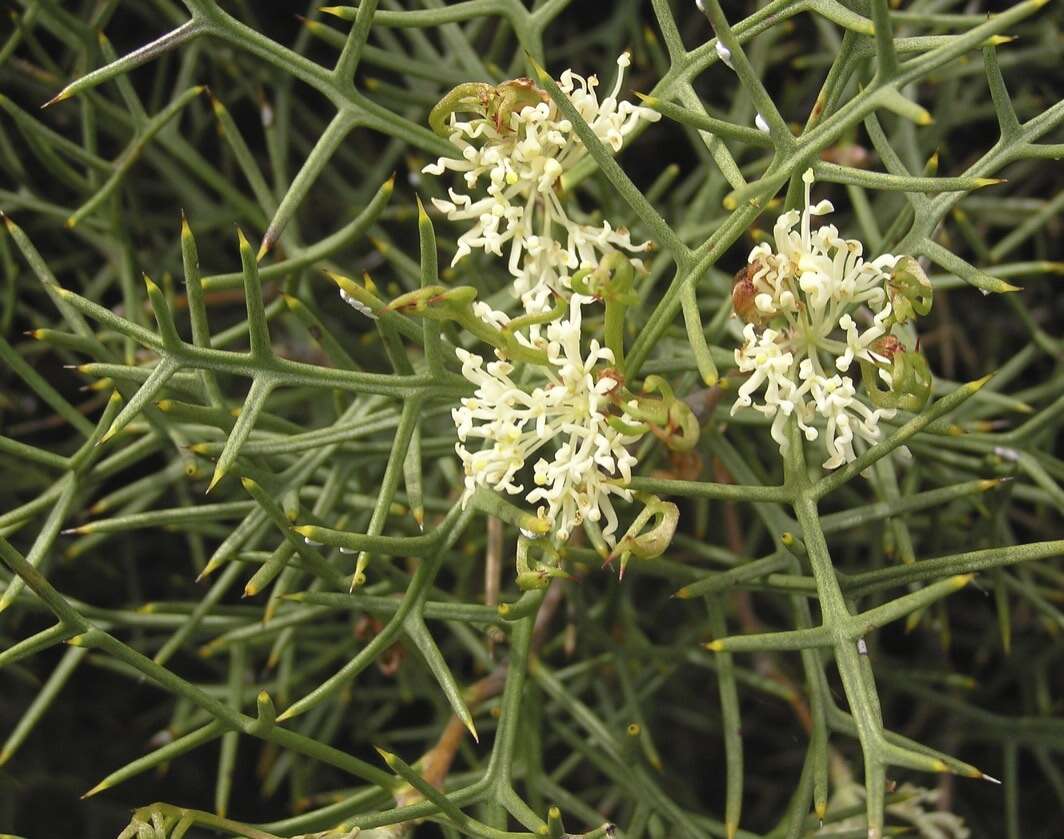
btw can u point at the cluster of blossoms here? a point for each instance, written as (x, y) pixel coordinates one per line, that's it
(568, 410)
(566, 413)
(518, 148)
(918, 807)
(814, 309)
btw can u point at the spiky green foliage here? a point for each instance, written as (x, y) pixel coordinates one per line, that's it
(234, 369)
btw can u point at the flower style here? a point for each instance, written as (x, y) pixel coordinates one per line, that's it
(521, 146)
(569, 411)
(795, 299)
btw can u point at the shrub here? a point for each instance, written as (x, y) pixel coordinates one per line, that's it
(614, 489)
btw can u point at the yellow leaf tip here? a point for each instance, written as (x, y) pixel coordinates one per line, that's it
(100, 787)
(386, 756)
(215, 478)
(59, 97)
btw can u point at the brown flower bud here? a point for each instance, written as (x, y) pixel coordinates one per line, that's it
(617, 379)
(743, 294)
(887, 347)
(513, 96)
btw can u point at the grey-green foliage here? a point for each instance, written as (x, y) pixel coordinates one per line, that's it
(300, 414)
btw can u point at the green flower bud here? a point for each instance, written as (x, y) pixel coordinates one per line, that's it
(910, 377)
(435, 302)
(475, 97)
(533, 574)
(669, 418)
(910, 290)
(494, 102)
(650, 543)
(683, 427)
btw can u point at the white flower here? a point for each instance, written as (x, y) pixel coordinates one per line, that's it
(583, 462)
(519, 166)
(836, 401)
(493, 317)
(858, 344)
(812, 284)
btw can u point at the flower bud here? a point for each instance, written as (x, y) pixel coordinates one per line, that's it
(616, 378)
(537, 575)
(468, 96)
(888, 346)
(435, 301)
(650, 543)
(683, 429)
(511, 98)
(743, 294)
(910, 290)
(910, 377)
(670, 419)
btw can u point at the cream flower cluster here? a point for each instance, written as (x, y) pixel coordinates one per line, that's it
(562, 416)
(521, 165)
(918, 807)
(813, 306)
